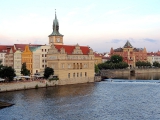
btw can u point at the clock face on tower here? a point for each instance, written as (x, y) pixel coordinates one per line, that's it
(58, 39)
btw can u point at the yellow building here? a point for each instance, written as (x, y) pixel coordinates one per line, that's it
(71, 63)
(97, 58)
(27, 58)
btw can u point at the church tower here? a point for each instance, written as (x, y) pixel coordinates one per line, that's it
(55, 37)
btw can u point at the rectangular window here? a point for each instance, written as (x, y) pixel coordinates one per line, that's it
(69, 65)
(62, 65)
(73, 74)
(77, 74)
(85, 74)
(42, 50)
(42, 55)
(68, 75)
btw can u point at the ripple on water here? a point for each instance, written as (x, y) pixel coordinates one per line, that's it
(92, 101)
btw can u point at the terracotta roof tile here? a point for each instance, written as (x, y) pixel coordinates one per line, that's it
(5, 48)
(69, 48)
(97, 54)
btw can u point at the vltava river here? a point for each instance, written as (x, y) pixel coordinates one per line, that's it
(106, 100)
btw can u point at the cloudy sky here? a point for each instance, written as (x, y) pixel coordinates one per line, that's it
(100, 24)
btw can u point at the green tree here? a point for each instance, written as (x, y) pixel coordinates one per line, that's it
(1, 67)
(96, 69)
(48, 71)
(140, 64)
(148, 64)
(156, 64)
(8, 73)
(116, 58)
(24, 70)
(111, 65)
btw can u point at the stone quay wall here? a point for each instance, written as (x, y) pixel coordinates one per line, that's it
(4, 87)
(76, 80)
(142, 70)
(29, 84)
(97, 78)
(113, 72)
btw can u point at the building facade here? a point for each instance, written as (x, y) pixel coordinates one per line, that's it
(27, 58)
(97, 58)
(17, 62)
(3, 51)
(43, 57)
(130, 54)
(153, 57)
(71, 63)
(9, 57)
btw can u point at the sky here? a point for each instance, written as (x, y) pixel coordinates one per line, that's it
(99, 24)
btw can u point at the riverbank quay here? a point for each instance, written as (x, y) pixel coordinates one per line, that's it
(27, 84)
(40, 83)
(111, 73)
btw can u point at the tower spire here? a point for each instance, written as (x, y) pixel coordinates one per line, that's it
(55, 14)
(55, 27)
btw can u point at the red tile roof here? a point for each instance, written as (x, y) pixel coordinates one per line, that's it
(97, 54)
(69, 48)
(5, 48)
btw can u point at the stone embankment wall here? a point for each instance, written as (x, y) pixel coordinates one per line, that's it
(76, 81)
(151, 70)
(97, 78)
(26, 85)
(112, 73)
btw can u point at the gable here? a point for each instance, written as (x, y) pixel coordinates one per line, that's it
(69, 49)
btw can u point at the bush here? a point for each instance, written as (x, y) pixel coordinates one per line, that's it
(36, 87)
(46, 85)
(51, 79)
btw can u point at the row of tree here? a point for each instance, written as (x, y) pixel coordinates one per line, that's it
(116, 62)
(8, 73)
(156, 64)
(142, 64)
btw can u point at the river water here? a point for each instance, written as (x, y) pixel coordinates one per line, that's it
(116, 99)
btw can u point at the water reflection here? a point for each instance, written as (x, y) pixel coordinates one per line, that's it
(140, 76)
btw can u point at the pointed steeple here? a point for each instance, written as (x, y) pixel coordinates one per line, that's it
(128, 45)
(55, 27)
